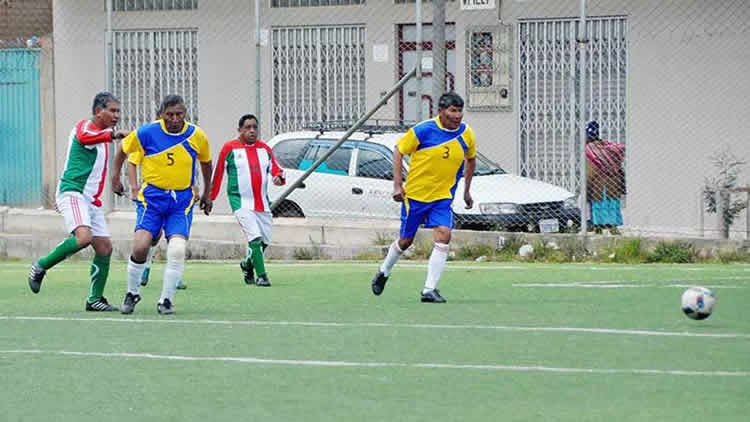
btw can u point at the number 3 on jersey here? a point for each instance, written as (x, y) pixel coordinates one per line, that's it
(447, 153)
(170, 158)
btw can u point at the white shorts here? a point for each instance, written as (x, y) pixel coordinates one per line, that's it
(80, 212)
(255, 224)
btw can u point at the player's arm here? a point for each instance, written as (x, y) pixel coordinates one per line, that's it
(471, 165)
(219, 172)
(276, 171)
(130, 144)
(406, 145)
(133, 180)
(206, 203)
(88, 134)
(120, 157)
(398, 179)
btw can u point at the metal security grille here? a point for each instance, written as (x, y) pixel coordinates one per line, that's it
(313, 3)
(133, 5)
(550, 116)
(148, 65)
(318, 75)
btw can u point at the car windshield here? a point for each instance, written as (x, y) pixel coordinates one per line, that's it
(485, 167)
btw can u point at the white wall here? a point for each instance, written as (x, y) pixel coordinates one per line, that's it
(688, 62)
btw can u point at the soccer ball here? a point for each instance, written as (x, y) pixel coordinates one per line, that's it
(698, 302)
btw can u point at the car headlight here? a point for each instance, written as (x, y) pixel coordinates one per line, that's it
(498, 208)
(571, 202)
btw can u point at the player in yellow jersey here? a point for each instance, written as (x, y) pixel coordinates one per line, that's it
(169, 147)
(442, 150)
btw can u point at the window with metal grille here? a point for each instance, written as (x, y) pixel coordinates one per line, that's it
(549, 114)
(134, 5)
(318, 75)
(149, 65)
(313, 3)
(488, 57)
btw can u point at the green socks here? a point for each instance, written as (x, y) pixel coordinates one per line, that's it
(255, 256)
(63, 250)
(99, 273)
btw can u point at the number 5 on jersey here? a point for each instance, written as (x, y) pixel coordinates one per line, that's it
(170, 158)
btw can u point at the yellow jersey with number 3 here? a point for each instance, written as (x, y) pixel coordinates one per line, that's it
(437, 159)
(167, 159)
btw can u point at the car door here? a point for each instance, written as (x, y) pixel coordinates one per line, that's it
(329, 189)
(374, 177)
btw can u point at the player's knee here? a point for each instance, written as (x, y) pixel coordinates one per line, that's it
(176, 251)
(102, 246)
(442, 235)
(404, 244)
(441, 247)
(257, 241)
(83, 236)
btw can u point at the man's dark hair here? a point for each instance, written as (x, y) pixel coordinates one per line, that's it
(102, 99)
(171, 100)
(247, 117)
(450, 99)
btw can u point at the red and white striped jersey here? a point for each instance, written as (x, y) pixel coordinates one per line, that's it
(249, 168)
(86, 162)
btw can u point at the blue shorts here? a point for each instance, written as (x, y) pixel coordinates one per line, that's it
(171, 210)
(432, 214)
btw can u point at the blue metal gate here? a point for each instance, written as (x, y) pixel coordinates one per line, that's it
(20, 128)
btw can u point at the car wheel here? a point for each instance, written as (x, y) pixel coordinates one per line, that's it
(288, 209)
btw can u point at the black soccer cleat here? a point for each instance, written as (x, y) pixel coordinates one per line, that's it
(165, 307)
(248, 273)
(128, 304)
(432, 296)
(36, 275)
(100, 305)
(378, 283)
(262, 281)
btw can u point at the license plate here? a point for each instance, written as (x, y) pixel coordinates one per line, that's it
(549, 226)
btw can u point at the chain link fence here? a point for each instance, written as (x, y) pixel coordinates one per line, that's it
(664, 83)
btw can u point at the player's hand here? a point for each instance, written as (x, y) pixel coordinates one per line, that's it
(206, 204)
(117, 186)
(120, 134)
(469, 200)
(398, 193)
(134, 193)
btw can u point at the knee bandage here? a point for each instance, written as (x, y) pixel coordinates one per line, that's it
(176, 253)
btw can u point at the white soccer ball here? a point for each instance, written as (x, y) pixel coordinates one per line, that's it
(698, 302)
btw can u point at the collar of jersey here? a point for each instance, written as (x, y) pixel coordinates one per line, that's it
(437, 122)
(164, 128)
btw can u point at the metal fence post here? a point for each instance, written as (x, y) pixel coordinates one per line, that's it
(582, 118)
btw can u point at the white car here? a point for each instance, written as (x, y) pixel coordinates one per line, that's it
(356, 181)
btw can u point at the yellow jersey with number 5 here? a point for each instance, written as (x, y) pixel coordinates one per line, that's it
(167, 159)
(437, 159)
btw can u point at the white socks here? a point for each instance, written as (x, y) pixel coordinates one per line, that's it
(394, 253)
(175, 267)
(135, 271)
(435, 266)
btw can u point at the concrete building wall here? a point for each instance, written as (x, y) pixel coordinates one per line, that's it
(687, 89)
(22, 19)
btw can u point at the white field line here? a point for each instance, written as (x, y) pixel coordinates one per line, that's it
(478, 266)
(350, 364)
(615, 285)
(319, 324)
